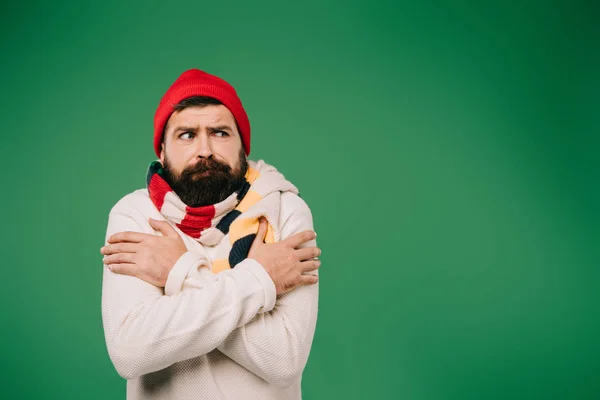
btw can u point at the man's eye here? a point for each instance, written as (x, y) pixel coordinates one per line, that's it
(221, 133)
(185, 133)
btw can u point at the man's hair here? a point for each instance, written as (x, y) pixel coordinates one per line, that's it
(194, 101)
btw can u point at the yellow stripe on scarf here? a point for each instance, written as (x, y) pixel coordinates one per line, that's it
(243, 227)
(252, 175)
(250, 199)
(240, 228)
(220, 265)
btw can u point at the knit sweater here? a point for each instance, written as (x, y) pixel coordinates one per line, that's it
(205, 335)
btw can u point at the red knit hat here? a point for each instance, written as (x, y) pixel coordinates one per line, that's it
(194, 82)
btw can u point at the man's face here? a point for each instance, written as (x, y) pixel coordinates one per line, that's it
(202, 155)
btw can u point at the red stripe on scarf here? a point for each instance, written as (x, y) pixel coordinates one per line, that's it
(196, 220)
(158, 189)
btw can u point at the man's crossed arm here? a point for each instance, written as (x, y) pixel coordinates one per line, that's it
(232, 311)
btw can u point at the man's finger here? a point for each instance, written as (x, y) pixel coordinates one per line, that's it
(123, 269)
(118, 258)
(308, 279)
(306, 253)
(163, 227)
(262, 230)
(299, 238)
(308, 266)
(121, 247)
(128, 236)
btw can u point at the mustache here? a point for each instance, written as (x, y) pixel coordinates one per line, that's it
(208, 165)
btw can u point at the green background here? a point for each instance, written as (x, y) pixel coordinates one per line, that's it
(448, 151)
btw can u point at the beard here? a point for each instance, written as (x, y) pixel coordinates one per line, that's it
(207, 182)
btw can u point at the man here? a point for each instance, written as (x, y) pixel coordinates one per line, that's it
(210, 272)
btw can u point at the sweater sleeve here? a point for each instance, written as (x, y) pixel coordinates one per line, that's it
(146, 330)
(275, 345)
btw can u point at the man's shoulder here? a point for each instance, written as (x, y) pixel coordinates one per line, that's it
(292, 207)
(134, 202)
(292, 202)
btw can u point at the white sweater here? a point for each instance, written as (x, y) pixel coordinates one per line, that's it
(207, 336)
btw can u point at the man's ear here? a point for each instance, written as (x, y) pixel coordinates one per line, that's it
(162, 153)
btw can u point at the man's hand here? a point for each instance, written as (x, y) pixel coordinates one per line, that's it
(147, 257)
(284, 262)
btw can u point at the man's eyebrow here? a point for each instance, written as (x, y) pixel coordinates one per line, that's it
(185, 128)
(210, 128)
(220, 128)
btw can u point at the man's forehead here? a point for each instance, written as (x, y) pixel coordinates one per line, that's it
(202, 116)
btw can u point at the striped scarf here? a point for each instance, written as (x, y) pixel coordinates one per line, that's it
(232, 224)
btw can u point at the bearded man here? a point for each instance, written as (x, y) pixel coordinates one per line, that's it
(210, 283)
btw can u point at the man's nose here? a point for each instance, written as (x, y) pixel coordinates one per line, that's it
(204, 148)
